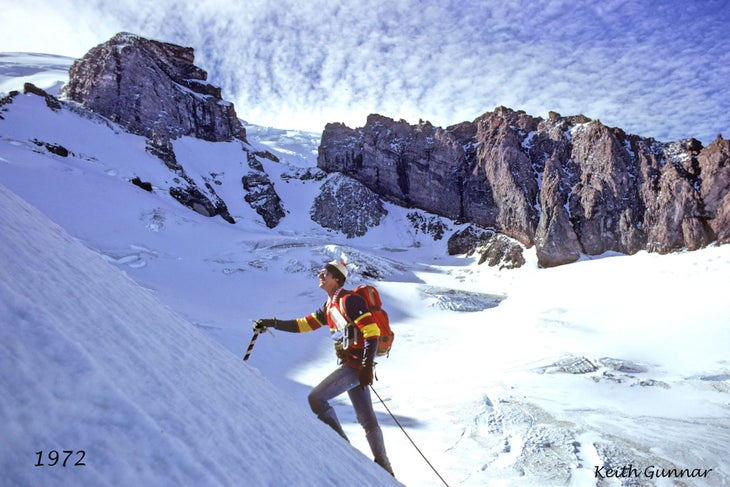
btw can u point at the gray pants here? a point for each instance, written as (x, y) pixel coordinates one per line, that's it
(345, 379)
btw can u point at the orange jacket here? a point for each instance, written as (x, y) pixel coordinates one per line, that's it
(342, 309)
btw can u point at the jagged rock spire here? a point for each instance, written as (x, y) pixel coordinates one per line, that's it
(153, 89)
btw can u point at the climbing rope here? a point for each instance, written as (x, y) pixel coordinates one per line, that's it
(407, 436)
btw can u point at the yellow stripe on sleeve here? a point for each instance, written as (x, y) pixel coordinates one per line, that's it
(304, 326)
(370, 331)
(364, 315)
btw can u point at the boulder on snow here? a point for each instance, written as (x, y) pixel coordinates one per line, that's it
(493, 248)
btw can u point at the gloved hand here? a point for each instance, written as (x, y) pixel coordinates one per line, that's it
(262, 324)
(368, 362)
(366, 375)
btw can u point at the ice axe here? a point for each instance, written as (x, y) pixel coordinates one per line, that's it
(255, 336)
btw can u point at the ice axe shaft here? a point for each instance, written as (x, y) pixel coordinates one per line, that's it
(250, 345)
(255, 336)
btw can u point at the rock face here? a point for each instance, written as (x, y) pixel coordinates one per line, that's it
(714, 165)
(153, 89)
(568, 185)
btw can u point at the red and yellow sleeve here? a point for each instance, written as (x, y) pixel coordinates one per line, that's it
(310, 322)
(302, 325)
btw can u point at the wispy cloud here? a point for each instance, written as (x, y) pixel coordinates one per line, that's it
(657, 68)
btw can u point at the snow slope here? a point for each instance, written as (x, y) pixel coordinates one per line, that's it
(92, 362)
(530, 377)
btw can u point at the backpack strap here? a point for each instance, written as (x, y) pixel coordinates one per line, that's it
(374, 298)
(351, 327)
(341, 306)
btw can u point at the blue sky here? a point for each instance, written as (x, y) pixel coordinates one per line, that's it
(654, 68)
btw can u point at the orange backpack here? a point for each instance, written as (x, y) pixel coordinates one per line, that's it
(371, 296)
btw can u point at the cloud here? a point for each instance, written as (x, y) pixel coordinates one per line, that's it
(656, 69)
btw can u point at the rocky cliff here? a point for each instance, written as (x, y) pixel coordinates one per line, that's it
(567, 185)
(153, 89)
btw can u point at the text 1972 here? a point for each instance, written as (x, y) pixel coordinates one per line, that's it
(67, 458)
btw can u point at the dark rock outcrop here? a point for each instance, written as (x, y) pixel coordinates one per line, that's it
(153, 89)
(57, 149)
(145, 185)
(260, 193)
(193, 198)
(51, 101)
(491, 247)
(348, 206)
(568, 185)
(430, 225)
